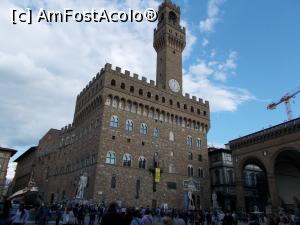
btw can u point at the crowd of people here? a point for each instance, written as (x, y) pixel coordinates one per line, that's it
(92, 214)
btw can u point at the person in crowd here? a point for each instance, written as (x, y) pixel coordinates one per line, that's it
(228, 219)
(42, 215)
(112, 217)
(92, 214)
(147, 218)
(253, 220)
(81, 215)
(66, 217)
(208, 218)
(21, 216)
(58, 214)
(136, 220)
(179, 220)
(167, 220)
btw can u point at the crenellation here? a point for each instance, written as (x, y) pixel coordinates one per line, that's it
(144, 79)
(136, 76)
(194, 98)
(200, 100)
(207, 103)
(152, 83)
(107, 67)
(118, 69)
(127, 73)
(187, 95)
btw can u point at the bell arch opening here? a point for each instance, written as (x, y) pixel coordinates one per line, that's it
(287, 175)
(255, 185)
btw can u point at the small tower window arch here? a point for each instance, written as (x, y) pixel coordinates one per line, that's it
(111, 158)
(172, 17)
(189, 140)
(114, 122)
(190, 171)
(127, 160)
(113, 82)
(143, 128)
(129, 125)
(142, 162)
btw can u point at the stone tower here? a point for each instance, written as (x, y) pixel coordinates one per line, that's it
(169, 42)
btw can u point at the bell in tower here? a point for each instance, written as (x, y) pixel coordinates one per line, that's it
(169, 42)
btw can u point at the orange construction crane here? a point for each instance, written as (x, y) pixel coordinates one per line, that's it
(286, 99)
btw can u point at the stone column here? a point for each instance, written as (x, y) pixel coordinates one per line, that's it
(240, 196)
(273, 191)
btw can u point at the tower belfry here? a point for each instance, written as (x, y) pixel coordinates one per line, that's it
(169, 42)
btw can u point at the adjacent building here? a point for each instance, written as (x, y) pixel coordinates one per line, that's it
(5, 155)
(25, 167)
(132, 140)
(222, 177)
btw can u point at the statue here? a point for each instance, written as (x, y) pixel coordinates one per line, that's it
(81, 186)
(214, 200)
(191, 201)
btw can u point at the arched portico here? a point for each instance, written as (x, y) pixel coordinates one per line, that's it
(276, 151)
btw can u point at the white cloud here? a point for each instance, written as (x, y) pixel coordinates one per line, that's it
(205, 42)
(213, 11)
(44, 66)
(203, 79)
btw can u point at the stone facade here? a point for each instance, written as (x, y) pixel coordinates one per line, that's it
(24, 172)
(276, 151)
(5, 155)
(125, 126)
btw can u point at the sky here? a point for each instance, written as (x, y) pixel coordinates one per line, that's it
(240, 56)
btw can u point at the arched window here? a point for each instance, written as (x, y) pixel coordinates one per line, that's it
(189, 140)
(149, 94)
(163, 100)
(192, 109)
(114, 122)
(200, 172)
(113, 83)
(190, 171)
(123, 86)
(156, 97)
(171, 136)
(142, 162)
(131, 89)
(113, 182)
(129, 125)
(127, 160)
(185, 106)
(155, 132)
(198, 143)
(143, 128)
(190, 156)
(140, 92)
(111, 158)
(178, 105)
(171, 102)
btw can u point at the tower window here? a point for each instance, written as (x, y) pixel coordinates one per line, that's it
(163, 99)
(129, 125)
(178, 105)
(185, 106)
(143, 128)
(204, 113)
(192, 109)
(190, 156)
(123, 86)
(149, 94)
(114, 122)
(190, 171)
(140, 92)
(131, 89)
(172, 17)
(171, 102)
(127, 160)
(156, 97)
(113, 83)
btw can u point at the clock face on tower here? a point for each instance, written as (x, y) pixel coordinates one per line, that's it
(174, 85)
